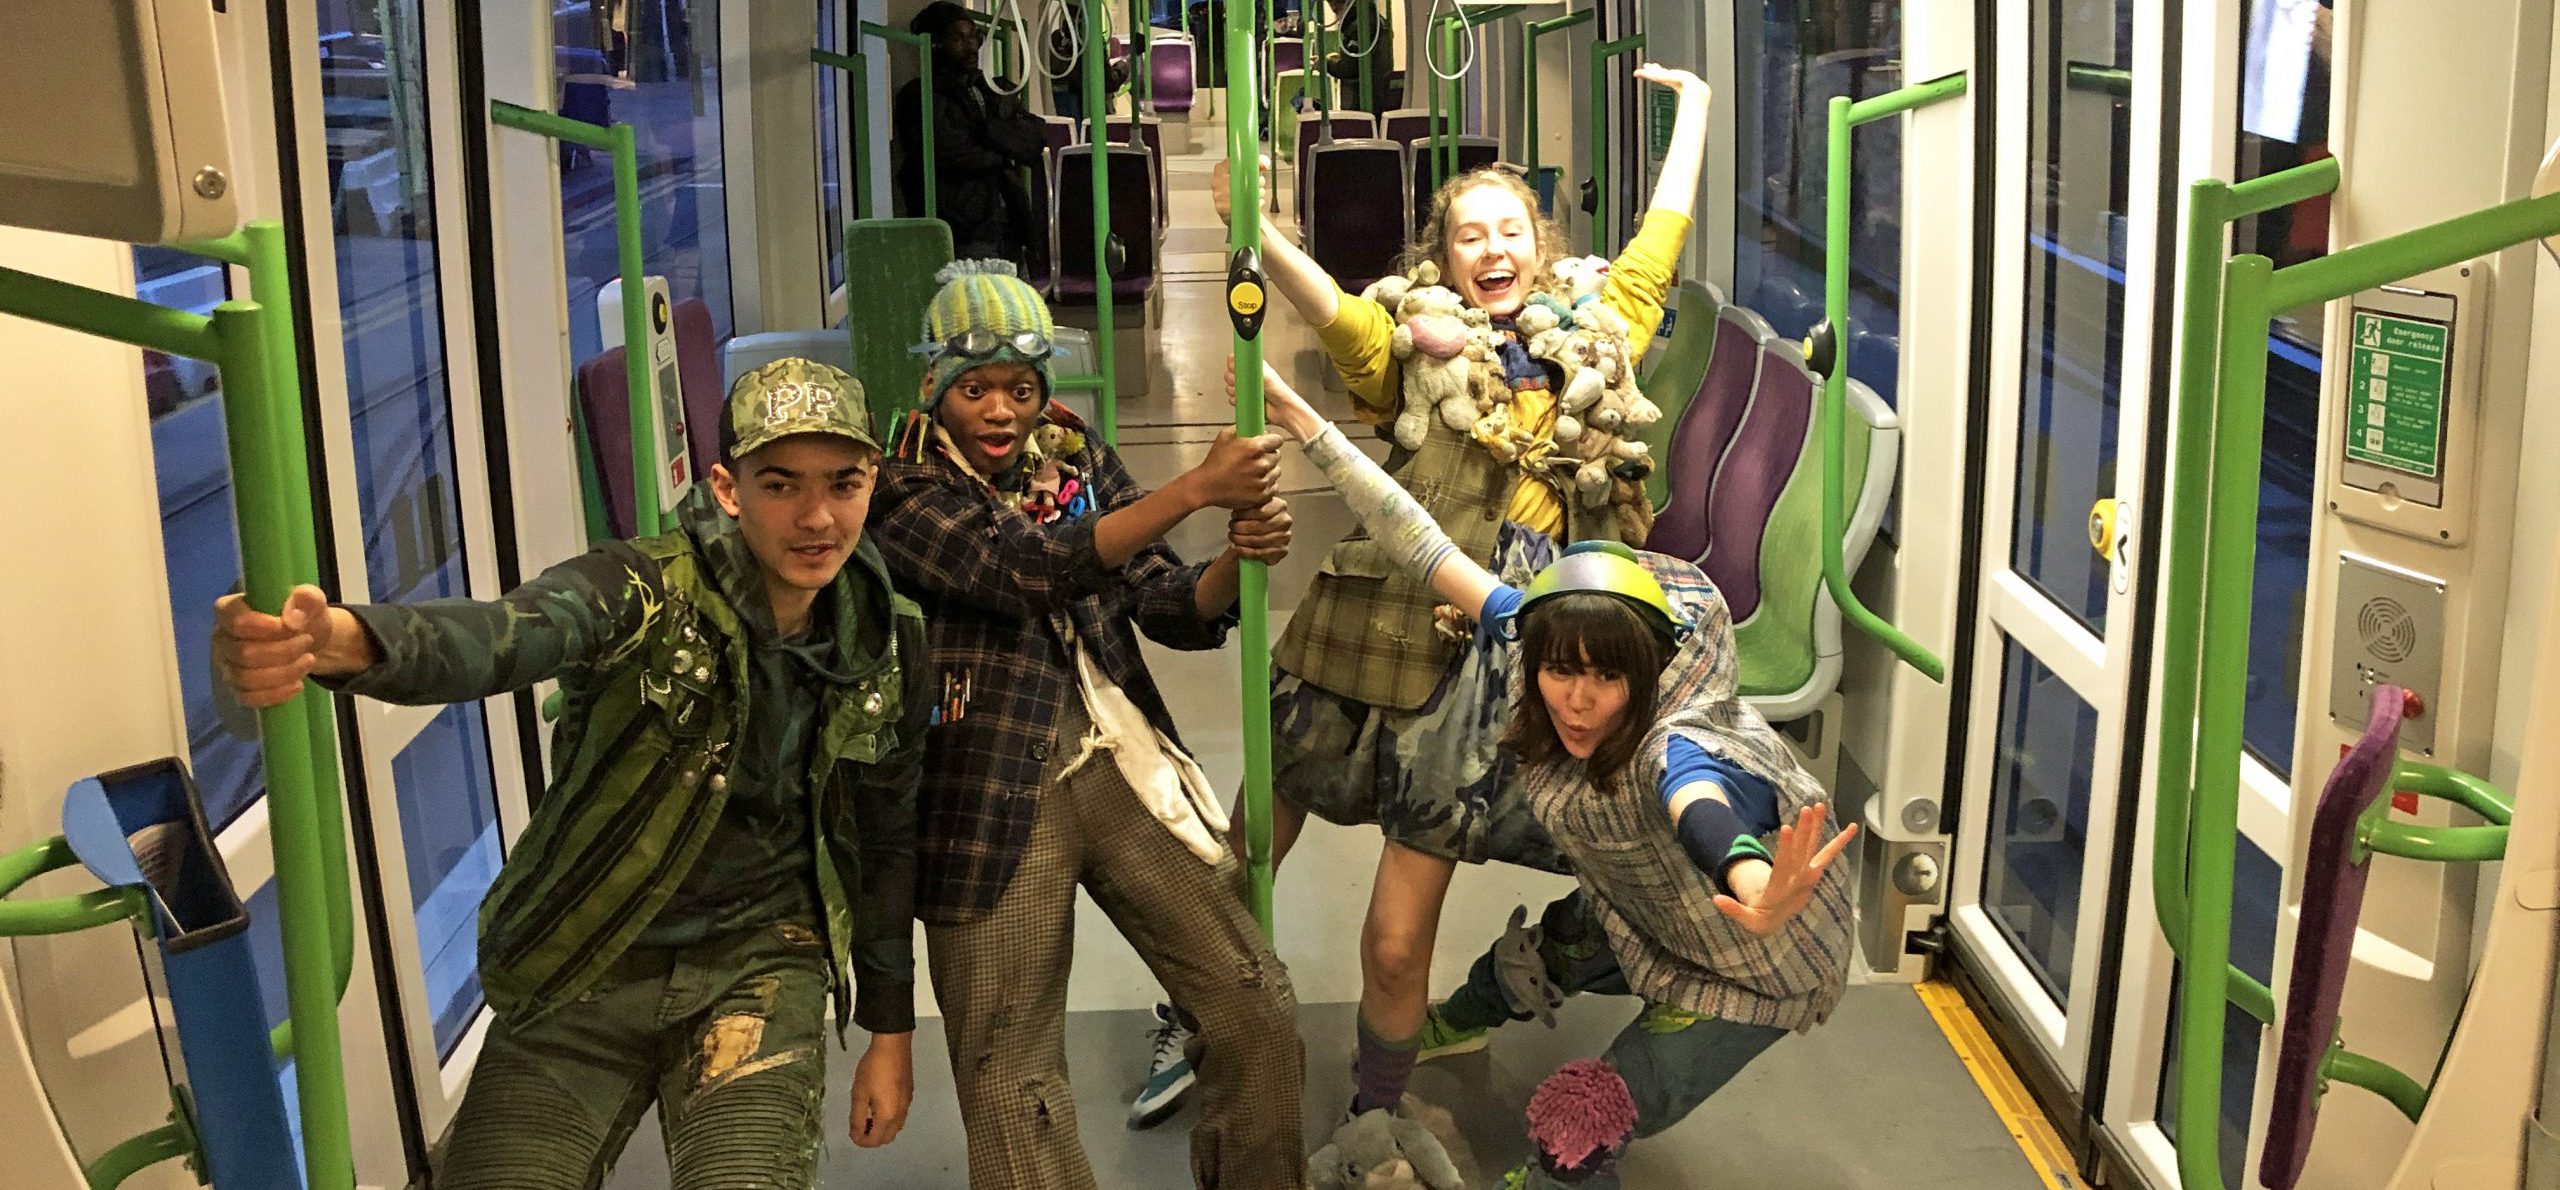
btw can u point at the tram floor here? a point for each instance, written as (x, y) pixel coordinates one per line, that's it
(1875, 1098)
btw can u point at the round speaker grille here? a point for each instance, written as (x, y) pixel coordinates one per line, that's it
(2386, 629)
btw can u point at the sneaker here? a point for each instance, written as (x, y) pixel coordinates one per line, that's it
(1169, 1076)
(1440, 1039)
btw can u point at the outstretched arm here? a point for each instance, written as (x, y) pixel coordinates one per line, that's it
(1677, 189)
(1394, 519)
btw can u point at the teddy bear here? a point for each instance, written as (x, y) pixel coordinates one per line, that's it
(1429, 340)
(1416, 1147)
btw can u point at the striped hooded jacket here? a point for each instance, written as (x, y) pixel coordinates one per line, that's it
(652, 658)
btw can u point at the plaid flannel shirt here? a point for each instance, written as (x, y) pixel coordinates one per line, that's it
(1003, 595)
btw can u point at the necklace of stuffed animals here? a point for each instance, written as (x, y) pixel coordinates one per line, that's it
(1043, 486)
(1451, 355)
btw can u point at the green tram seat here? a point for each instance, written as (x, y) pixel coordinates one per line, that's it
(1671, 373)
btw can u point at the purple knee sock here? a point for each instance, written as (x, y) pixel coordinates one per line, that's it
(1381, 1070)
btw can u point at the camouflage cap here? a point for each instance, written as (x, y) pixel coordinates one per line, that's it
(793, 396)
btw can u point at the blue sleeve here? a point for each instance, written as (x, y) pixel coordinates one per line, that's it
(1754, 799)
(1499, 603)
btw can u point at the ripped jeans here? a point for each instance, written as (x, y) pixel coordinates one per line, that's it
(725, 1037)
(1002, 983)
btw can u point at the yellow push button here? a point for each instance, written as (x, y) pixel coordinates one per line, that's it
(2102, 528)
(1245, 298)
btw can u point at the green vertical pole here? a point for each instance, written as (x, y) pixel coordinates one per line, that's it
(923, 46)
(1098, 48)
(857, 68)
(262, 413)
(1142, 69)
(1368, 81)
(1252, 593)
(2213, 847)
(638, 377)
(1529, 96)
(1599, 171)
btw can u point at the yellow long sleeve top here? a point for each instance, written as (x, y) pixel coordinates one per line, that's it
(1638, 280)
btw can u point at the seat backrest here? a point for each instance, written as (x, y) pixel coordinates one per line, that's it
(1474, 152)
(1288, 53)
(746, 353)
(2333, 884)
(1356, 241)
(1703, 432)
(1061, 131)
(1408, 124)
(1788, 652)
(1763, 455)
(698, 363)
(891, 262)
(1310, 133)
(1132, 218)
(1671, 372)
(604, 409)
(1169, 61)
(1150, 131)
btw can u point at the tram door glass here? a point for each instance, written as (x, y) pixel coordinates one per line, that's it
(198, 540)
(831, 147)
(1790, 58)
(2076, 271)
(2253, 949)
(2283, 122)
(655, 65)
(386, 236)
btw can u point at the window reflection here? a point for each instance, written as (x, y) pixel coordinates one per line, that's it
(654, 64)
(1791, 57)
(199, 542)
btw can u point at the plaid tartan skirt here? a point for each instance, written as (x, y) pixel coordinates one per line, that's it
(1435, 778)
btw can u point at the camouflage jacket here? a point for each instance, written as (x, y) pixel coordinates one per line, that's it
(651, 654)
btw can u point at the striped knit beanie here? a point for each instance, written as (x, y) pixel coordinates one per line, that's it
(981, 295)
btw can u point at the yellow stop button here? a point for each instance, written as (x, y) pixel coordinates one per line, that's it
(1245, 298)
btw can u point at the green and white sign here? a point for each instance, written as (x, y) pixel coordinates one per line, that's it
(1664, 108)
(2395, 392)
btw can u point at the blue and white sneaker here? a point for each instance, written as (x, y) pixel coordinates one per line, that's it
(1169, 1076)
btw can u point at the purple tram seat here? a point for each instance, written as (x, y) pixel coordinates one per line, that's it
(1170, 62)
(604, 402)
(1705, 430)
(1132, 219)
(1474, 152)
(2332, 898)
(1062, 131)
(698, 367)
(1409, 124)
(1288, 53)
(1354, 240)
(1311, 129)
(1151, 131)
(1756, 467)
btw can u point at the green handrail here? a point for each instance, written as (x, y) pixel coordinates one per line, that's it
(1529, 73)
(1097, 44)
(260, 248)
(1445, 94)
(1142, 71)
(2356, 1070)
(638, 379)
(923, 46)
(2376, 832)
(2253, 292)
(173, 1139)
(1601, 52)
(59, 915)
(1252, 584)
(857, 68)
(1834, 416)
(262, 421)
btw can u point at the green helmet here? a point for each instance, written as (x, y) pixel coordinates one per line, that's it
(1607, 568)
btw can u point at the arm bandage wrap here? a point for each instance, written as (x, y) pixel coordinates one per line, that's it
(1396, 521)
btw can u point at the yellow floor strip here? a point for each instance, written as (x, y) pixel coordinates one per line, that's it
(2009, 1098)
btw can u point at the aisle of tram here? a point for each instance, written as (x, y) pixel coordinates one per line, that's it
(1876, 1097)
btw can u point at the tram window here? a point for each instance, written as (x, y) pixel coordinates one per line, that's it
(449, 832)
(2078, 180)
(2255, 884)
(654, 64)
(2040, 817)
(199, 542)
(1791, 57)
(2284, 122)
(831, 182)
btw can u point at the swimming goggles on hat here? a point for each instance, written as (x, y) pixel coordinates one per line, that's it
(979, 343)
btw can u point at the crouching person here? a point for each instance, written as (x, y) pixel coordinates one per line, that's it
(728, 841)
(1055, 762)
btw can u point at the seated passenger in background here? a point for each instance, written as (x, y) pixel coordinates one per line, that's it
(1660, 786)
(729, 836)
(1055, 761)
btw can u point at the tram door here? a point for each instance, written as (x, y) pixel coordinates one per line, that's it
(2075, 372)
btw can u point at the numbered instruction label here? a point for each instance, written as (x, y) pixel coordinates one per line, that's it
(2395, 392)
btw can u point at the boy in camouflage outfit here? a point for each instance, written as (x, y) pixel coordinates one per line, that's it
(728, 841)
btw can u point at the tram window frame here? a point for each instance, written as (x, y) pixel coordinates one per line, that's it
(835, 185)
(2290, 456)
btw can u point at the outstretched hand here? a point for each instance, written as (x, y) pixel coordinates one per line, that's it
(1281, 404)
(262, 657)
(1683, 83)
(1785, 884)
(1221, 194)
